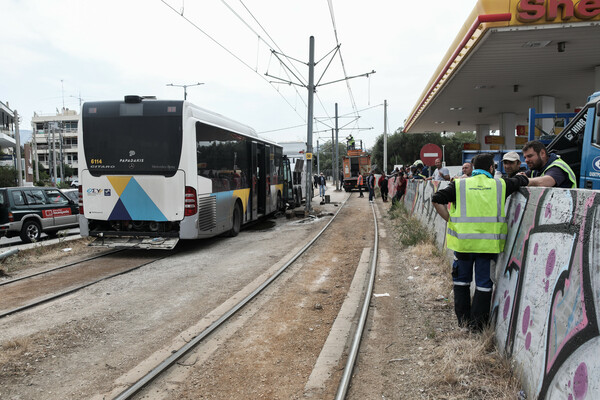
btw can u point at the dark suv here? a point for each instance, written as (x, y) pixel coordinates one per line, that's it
(29, 211)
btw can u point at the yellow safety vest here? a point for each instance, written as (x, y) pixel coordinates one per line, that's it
(559, 162)
(477, 221)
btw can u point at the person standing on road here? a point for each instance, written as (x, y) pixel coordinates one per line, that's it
(476, 232)
(383, 186)
(371, 186)
(547, 170)
(359, 183)
(322, 186)
(400, 183)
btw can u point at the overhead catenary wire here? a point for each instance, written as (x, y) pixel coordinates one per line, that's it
(232, 54)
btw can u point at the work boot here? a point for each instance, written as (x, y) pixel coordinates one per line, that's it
(480, 311)
(462, 305)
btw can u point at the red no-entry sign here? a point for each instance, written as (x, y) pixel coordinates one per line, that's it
(429, 153)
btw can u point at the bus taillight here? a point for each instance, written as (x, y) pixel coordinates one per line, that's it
(80, 191)
(191, 203)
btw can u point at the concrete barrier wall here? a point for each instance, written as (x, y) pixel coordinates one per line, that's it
(547, 287)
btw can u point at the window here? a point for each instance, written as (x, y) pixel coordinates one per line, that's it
(18, 198)
(596, 131)
(56, 197)
(35, 197)
(222, 157)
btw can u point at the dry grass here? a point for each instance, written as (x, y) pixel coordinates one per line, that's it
(464, 365)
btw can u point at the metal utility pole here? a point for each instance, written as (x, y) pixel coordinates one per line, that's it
(332, 152)
(60, 146)
(18, 148)
(336, 172)
(318, 159)
(384, 137)
(53, 155)
(185, 87)
(309, 135)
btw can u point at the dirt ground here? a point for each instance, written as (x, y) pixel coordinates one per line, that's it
(412, 348)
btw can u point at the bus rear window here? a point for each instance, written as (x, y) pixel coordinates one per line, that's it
(126, 143)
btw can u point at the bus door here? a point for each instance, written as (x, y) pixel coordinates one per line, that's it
(261, 174)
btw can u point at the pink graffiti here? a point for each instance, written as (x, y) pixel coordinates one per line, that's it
(580, 382)
(516, 216)
(528, 341)
(551, 262)
(525, 324)
(548, 212)
(535, 249)
(506, 307)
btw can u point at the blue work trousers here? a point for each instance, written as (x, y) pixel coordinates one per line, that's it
(462, 270)
(322, 190)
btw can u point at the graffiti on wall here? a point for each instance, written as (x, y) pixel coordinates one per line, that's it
(547, 292)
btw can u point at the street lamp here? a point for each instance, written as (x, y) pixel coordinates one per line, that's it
(185, 87)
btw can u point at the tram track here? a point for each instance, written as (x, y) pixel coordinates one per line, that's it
(33, 290)
(161, 368)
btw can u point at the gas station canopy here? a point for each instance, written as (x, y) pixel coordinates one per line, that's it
(507, 54)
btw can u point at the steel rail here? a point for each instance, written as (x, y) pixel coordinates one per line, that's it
(60, 267)
(173, 358)
(75, 289)
(346, 377)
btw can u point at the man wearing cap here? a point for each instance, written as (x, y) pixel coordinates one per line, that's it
(476, 231)
(512, 164)
(547, 170)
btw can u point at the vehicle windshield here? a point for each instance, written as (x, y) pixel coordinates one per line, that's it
(138, 138)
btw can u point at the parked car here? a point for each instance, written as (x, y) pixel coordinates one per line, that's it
(29, 211)
(75, 183)
(72, 194)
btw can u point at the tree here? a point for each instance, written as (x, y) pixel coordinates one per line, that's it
(405, 148)
(8, 177)
(326, 155)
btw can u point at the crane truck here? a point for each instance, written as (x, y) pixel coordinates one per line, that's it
(355, 161)
(579, 144)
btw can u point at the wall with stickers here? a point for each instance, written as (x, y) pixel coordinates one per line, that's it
(547, 286)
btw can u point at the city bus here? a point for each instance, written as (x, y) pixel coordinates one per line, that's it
(153, 172)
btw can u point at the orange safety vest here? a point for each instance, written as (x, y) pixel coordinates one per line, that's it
(359, 181)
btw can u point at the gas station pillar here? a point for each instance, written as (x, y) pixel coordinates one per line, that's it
(508, 124)
(545, 105)
(482, 131)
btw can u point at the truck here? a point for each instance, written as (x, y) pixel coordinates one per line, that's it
(355, 161)
(578, 144)
(294, 173)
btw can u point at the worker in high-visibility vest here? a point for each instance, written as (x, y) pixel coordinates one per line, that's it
(545, 169)
(350, 141)
(359, 183)
(476, 232)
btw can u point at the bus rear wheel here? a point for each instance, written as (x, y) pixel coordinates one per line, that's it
(236, 221)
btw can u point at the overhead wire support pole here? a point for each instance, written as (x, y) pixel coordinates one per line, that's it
(337, 152)
(350, 77)
(309, 118)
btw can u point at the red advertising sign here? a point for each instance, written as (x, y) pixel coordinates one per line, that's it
(429, 153)
(59, 212)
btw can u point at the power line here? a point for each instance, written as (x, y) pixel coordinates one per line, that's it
(230, 53)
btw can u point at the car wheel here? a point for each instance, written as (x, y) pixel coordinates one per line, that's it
(31, 231)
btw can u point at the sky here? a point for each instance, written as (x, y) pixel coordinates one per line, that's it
(65, 52)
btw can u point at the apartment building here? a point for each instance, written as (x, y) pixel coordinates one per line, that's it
(59, 129)
(7, 135)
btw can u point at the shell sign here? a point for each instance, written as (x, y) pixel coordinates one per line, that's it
(529, 11)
